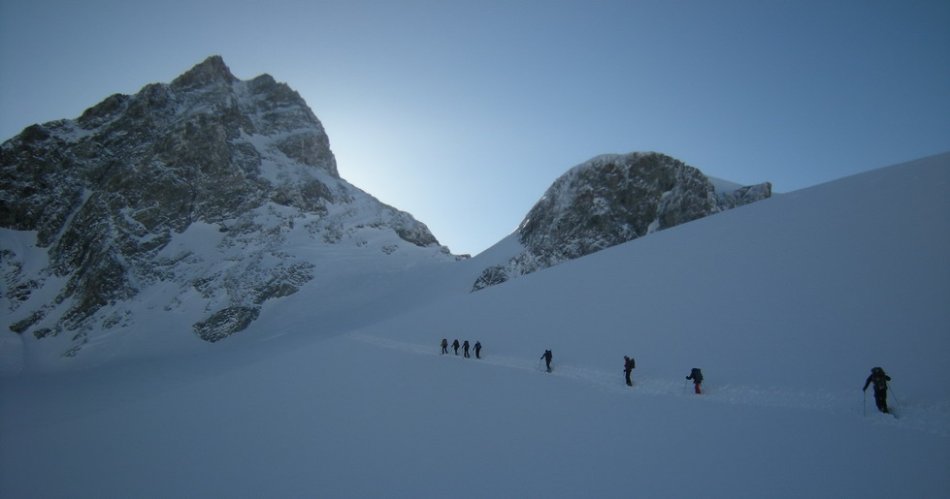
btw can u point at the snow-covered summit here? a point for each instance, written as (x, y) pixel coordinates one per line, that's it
(611, 199)
(206, 197)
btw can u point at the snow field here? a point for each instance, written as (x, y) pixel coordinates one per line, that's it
(785, 305)
(355, 416)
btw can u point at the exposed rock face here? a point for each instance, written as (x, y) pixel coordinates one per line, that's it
(609, 200)
(104, 197)
(743, 195)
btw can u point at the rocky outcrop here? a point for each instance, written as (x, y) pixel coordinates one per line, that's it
(743, 195)
(108, 198)
(609, 200)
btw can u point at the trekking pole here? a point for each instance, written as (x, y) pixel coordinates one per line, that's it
(893, 394)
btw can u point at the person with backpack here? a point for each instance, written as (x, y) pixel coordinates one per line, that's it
(547, 356)
(455, 346)
(445, 346)
(465, 347)
(697, 376)
(880, 379)
(628, 365)
(478, 349)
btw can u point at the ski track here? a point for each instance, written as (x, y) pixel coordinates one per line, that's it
(928, 419)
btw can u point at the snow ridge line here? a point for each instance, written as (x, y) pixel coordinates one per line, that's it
(929, 419)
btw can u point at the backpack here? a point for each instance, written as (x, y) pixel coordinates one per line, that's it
(879, 378)
(696, 374)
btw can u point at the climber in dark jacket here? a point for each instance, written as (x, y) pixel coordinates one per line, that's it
(478, 349)
(628, 365)
(465, 346)
(455, 346)
(547, 356)
(697, 376)
(445, 346)
(880, 379)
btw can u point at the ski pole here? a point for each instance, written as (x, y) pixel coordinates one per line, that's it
(894, 394)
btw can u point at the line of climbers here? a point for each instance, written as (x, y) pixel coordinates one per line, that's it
(628, 363)
(878, 377)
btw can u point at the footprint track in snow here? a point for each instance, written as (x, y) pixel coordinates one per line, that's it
(930, 419)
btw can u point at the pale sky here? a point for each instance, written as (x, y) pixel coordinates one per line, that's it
(463, 113)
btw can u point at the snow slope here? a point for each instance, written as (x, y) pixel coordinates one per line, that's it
(785, 304)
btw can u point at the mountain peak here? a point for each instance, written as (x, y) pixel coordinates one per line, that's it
(211, 70)
(611, 199)
(244, 167)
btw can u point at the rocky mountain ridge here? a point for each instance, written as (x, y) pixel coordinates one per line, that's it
(110, 198)
(609, 200)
